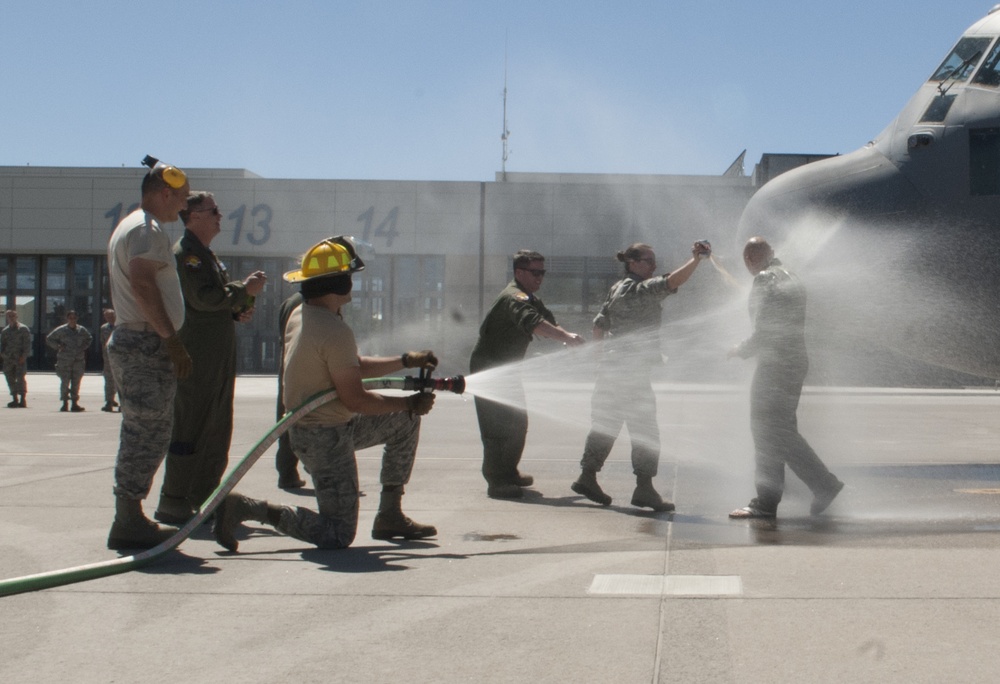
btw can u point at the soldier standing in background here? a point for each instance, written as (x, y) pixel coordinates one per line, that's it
(109, 379)
(71, 342)
(15, 345)
(203, 406)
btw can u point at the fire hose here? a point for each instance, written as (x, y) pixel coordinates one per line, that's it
(81, 573)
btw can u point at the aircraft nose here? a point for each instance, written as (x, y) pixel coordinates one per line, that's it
(819, 195)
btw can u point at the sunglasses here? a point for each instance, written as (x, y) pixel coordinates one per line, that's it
(537, 272)
(212, 210)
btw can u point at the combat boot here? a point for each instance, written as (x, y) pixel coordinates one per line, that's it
(13, 404)
(645, 496)
(76, 408)
(390, 522)
(587, 485)
(233, 510)
(65, 407)
(24, 403)
(173, 510)
(132, 530)
(107, 408)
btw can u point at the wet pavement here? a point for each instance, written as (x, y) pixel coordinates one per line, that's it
(899, 582)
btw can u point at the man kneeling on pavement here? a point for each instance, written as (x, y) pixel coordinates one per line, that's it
(321, 354)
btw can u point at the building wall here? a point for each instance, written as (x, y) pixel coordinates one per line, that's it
(438, 252)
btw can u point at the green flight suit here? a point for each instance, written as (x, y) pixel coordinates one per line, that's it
(503, 339)
(203, 406)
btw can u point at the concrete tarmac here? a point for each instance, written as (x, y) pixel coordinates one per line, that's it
(898, 582)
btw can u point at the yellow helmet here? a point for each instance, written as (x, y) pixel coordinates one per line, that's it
(331, 257)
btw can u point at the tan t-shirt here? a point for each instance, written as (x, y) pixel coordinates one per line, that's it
(317, 342)
(140, 235)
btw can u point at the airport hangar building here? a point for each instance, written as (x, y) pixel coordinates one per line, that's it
(437, 252)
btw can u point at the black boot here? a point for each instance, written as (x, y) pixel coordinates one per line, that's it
(587, 485)
(645, 496)
(24, 403)
(132, 530)
(390, 521)
(65, 407)
(76, 408)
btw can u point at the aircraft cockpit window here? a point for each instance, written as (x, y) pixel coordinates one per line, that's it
(962, 60)
(989, 72)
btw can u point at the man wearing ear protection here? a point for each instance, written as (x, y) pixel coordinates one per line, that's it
(146, 354)
(321, 354)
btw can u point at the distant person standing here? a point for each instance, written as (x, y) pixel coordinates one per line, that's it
(515, 318)
(203, 405)
(146, 353)
(15, 345)
(109, 379)
(71, 342)
(778, 311)
(628, 325)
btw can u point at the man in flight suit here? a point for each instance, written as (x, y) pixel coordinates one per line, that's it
(515, 318)
(778, 310)
(203, 406)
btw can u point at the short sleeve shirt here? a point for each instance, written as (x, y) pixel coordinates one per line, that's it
(139, 235)
(317, 343)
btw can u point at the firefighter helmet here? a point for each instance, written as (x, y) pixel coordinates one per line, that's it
(332, 257)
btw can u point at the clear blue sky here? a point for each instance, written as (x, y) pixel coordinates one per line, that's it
(413, 90)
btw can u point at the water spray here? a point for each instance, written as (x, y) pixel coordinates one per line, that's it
(81, 573)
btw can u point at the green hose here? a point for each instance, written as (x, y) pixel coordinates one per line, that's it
(82, 573)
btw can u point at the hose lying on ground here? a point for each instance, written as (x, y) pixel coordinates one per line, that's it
(82, 573)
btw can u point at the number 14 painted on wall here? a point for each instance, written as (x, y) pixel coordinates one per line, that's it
(385, 229)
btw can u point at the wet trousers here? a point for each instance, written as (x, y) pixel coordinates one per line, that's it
(774, 400)
(623, 398)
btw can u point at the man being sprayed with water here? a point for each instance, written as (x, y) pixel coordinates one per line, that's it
(629, 323)
(321, 354)
(515, 318)
(778, 311)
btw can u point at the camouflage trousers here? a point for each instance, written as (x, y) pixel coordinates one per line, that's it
(144, 375)
(14, 372)
(70, 374)
(328, 454)
(623, 398)
(110, 389)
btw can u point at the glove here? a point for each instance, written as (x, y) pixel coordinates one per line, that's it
(420, 359)
(179, 356)
(420, 404)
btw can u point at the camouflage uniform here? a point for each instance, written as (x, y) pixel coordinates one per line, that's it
(203, 406)
(15, 342)
(327, 452)
(630, 318)
(778, 311)
(109, 378)
(71, 358)
(144, 375)
(503, 338)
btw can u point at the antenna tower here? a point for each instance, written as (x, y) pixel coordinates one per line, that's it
(506, 133)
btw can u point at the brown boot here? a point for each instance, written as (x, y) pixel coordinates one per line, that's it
(390, 522)
(132, 530)
(233, 510)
